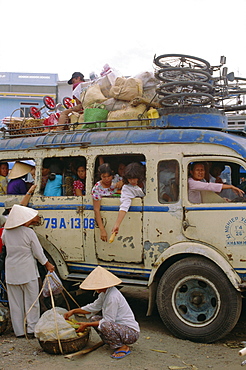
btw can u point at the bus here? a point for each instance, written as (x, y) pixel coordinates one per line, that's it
(191, 256)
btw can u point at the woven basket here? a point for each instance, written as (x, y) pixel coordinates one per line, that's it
(24, 126)
(68, 345)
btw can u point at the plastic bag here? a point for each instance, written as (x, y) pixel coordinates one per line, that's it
(95, 114)
(55, 284)
(45, 329)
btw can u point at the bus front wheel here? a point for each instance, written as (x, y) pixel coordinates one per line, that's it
(196, 301)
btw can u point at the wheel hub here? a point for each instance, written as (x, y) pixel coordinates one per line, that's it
(196, 301)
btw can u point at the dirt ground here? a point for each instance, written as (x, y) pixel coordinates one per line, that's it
(156, 348)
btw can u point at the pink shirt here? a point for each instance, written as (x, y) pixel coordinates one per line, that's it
(196, 186)
(77, 184)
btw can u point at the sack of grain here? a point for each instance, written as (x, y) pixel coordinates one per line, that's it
(92, 95)
(129, 113)
(126, 88)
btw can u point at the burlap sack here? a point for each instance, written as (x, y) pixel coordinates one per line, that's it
(114, 104)
(92, 95)
(128, 113)
(126, 88)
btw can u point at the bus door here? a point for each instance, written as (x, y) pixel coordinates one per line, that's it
(62, 223)
(219, 220)
(128, 244)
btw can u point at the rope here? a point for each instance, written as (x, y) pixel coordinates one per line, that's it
(46, 280)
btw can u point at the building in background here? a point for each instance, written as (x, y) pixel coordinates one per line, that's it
(19, 91)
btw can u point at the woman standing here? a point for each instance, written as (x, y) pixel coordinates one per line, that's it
(23, 251)
(117, 325)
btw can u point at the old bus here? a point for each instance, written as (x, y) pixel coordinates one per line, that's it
(191, 256)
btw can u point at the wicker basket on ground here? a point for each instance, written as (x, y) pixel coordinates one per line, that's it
(68, 345)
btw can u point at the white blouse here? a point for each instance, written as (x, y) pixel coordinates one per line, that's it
(23, 250)
(114, 308)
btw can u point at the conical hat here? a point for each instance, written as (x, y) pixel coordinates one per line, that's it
(19, 215)
(100, 278)
(19, 170)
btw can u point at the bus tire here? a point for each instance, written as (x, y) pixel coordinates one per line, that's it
(196, 301)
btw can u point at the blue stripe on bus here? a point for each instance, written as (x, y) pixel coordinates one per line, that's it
(217, 208)
(75, 266)
(89, 207)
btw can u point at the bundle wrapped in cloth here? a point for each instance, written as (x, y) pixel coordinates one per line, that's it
(51, 321)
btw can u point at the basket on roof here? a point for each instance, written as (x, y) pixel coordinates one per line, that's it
(24, 126)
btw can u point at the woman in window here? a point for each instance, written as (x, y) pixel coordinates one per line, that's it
(79, 184)
(103, 188)
(197, 183)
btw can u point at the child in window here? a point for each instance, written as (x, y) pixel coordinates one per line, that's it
(133, 187)
(79, 184)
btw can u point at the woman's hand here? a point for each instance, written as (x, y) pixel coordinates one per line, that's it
(238, 191)
(103, 235)
(119, 184)
(49, 266)
(82, 327)
(32, 189)
(68, 314)
(115, 229)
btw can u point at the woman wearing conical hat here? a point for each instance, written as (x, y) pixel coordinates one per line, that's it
(117, 325)
(21, 271)
(17, 185)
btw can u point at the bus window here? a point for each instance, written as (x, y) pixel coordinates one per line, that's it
(218, 186)
(117, 164)
(72, 171)
(20, 175)
(168, 181)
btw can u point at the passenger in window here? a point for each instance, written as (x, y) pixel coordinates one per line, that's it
(4, 170)
(118, 177)
(17, 185)
(215, 172)
(103, 188)
(45, 173)
(134, 186)
(169, 181)
(53, 187)
(79, 184)
(196, 184)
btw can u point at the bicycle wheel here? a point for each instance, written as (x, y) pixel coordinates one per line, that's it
(183, 87)
(67, 102)
(182, 61)
(170, 74)
(49, 102)
(184, 99)
(35, 112)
